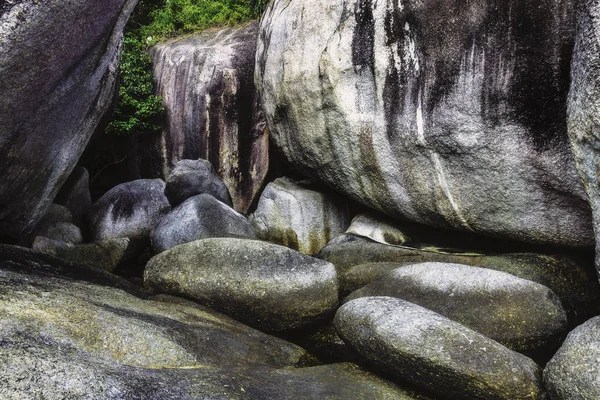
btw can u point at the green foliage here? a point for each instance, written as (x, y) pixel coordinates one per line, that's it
(139, 110)
(183, 16)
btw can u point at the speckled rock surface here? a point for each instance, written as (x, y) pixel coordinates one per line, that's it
(130, 209)
(59, 63)
(573, 371)
(115, 326)
(299, 215)
(63, 231)
(207, 86)
(573, 282)
(264, 285)
(378, 228)
(584, 105)
(520, 314)
(199, 217)
(451, 114)
(441, 356)
(191, 177)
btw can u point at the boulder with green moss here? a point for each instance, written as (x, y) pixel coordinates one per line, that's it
(520, 314)
(264, 285)
(573, 371)
(441, 356)
(572, 281)
(299, 215)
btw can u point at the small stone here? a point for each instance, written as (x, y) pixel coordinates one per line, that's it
(376, 227)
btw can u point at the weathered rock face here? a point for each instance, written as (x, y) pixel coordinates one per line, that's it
(264, 285)
(199, 217)
(58, 69)
(520, 314)
(573, 371)
(131, 209)
(584, 106)
(422, 347)
(206, 82)
(450, 114)
(377, 228)
(299, 215)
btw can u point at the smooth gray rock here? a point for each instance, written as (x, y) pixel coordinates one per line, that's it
(583, 110)
(199, 217)
(75, 194)
(520, 314)
(422, 347)
(362, 274)
(131, 209)
(299, 215)
(191, 177)
(572, 281)
(59, 63)
(450, 114)
(573, 371)
(56, 214)
(207, 85)
(264, 285)
(378, 228)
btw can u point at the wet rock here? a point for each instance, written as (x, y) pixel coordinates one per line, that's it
(520, 314)
(571, 281)
(75, 194)
(376, 227)
(207, 85)
(299, 216)
(441, 356)
(573, 371)
(264, 285)
(58, 70)
(199, 217)
(191, 177)
(444, 113)
(583, 110)
(131, 209)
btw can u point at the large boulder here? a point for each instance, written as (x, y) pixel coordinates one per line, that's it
(573, 371)
(264, 285)
(207, 86)
(572, 281)
(58, 70)
(520, 314)
(445, 358)
(131, 209)
(191, 177)
(299, 215)
(584, 106)
(451, 114)
(199, 217)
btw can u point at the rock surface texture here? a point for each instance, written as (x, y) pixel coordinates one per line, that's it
(131, 209)
(299, 215)
(75, 194)
(584, 106)
(264, 285)
(206, 82)
(191, 177)
(424, 348)
(58, 70)
(573, 371)
(199, 217)
(451, 114)
(520, 314)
